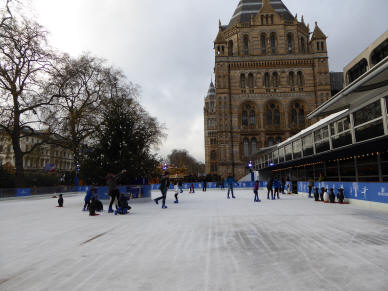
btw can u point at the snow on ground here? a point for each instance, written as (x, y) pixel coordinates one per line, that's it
(204, 243)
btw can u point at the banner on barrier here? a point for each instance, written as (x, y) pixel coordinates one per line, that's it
(21, 192)
(372, 192)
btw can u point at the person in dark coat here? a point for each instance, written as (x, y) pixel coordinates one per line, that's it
(60, 201)
(276, 185)
(256, 191)
(123, 204)
(88, 197)
(204, 186)
(113, 192)
(231, 181)
(164, 185)
(269, 188)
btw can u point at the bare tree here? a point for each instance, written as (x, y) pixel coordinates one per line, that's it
(81, 86)
(24, 63)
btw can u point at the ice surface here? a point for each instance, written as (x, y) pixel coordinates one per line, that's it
(204, 243)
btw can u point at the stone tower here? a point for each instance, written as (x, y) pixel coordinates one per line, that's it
(269, 74)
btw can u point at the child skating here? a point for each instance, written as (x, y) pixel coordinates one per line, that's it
(177, 190)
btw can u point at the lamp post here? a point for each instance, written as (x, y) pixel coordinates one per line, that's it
(250, 166)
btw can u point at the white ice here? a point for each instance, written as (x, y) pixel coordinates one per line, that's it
(204, 243)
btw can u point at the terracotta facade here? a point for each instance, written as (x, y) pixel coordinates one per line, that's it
(269, 74)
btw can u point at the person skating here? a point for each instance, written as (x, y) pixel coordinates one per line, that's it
(88, 197)
(283, 185)
(113, 192)
(269, 188)
(230, 181)
(204, 188)
(256, 191)
(180, 186)
(311, 185)
(176, 188)
(164, 184)
(276, 185)
(123, 205)
(60, 200)
(192, 188)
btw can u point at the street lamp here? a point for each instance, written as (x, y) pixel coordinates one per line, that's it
(250, 166)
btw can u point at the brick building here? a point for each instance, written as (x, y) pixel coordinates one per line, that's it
(270, 72)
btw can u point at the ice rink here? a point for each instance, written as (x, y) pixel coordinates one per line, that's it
(204, 243)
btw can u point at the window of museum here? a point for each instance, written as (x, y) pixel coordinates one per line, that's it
(251, 83)
(246, 147)
(300, 82)
(213, 155)
(290, 40)
(273, 43)
(263, 44)
(297, 115)
(278, 140)
(262, 20)
(273, 114)
(246, 45)
(291, 80)
(275, 80)
(252, 118)
(254, 145)
(230, 48)
(242, 83)
(267, 82)
(213, 168)
(271, 19)
(244, 118)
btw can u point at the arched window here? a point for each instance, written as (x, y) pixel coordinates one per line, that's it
(244, 118)
(242, 81)
(300, 79)
(273, 114)
(291, 79)
(252, 118)
(246, 45)
(262, 19)
(275, 79)
(273, 43)
(322, 46)
(270, 141)
(302, 45)
(266, 80)
(276, 114)
(246, 147)
(290, 41)
(250, 81)
(254, 145)
(317, 45)
(213, 155)
(297, 115)
(278, 140)
(263, 43)
(230, 48)
(266, 19)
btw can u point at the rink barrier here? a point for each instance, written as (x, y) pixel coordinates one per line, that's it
(358, 191)
(210, 185)
(133, 191)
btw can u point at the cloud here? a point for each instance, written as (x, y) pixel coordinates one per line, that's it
(167, 46)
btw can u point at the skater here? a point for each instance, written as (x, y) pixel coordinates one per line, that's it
(60, 201)
(113, 192)
(269, 188)
(256, 191)
(222, 184)
(123, 205)
(180, 186)
(176, 188)
(204, 186)
(276, 185)
(88, 197)
(283, 185)
(93, 206)
(230, 181)
(164, 185)
(192, 188)
(311, 185)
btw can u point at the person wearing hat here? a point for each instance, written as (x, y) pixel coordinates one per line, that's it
(164, 184)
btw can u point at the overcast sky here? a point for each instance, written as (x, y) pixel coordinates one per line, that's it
(167, 46)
